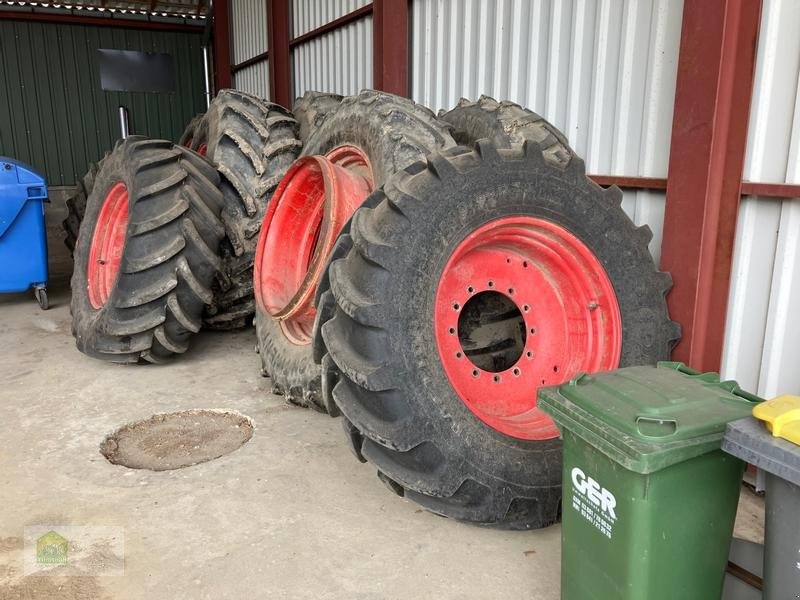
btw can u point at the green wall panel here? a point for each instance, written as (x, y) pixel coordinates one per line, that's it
(53, 114)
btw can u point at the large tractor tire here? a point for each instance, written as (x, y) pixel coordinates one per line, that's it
(147, 252)
(312, 109)
(471, 280)
(369, 138)
(505, 124)
(76, 205)
(195, 136)
(252, 142)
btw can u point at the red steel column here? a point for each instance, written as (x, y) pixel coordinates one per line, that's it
(709, 132)
(390, 46)
(222, 45)
(280, 78)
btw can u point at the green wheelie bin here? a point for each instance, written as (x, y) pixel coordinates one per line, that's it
(649, 498)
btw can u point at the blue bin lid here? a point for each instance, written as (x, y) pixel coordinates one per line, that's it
(19, 184)
(13, 171)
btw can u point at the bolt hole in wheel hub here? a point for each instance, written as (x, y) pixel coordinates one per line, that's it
(523, 303)
(108, 242)
(312, 203)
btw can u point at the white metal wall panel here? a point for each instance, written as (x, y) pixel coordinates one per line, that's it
(248, 29)
(339, 61)
(602, 71)
(307, 15)
(762, 344)
(253, 79)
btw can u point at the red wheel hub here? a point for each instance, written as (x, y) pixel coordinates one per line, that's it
(108, 241)
(523, 303)
(312, 203)
(202, 149)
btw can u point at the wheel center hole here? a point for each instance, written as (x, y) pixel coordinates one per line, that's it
(492, 331)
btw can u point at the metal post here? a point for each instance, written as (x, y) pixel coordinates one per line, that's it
(123, 122)
(390, 46)
(280, 78)
(222, 45)
(716, 65)
(207, 76)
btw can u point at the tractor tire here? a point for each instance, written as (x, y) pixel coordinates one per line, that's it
(252, 142)
(76, 205)
(312, 109)
(393, 133)
(147, 252)
(382, 330)
(506, 124)
(195, 136)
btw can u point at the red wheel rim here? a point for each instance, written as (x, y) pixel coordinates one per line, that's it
(108, 241)
(555, 314)
(202, 149)
(314, 200)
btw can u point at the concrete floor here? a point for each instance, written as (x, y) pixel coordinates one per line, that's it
(291, 514)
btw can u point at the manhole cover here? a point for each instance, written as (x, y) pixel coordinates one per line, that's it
(177, 440)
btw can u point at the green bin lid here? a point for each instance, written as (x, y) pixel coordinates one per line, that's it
(648, 418)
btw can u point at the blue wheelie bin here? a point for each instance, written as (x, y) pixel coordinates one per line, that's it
(23, 240)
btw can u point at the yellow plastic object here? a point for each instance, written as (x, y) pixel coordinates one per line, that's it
(782, 416)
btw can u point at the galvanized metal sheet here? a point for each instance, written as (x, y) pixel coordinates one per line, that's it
(248, 29)
(339, 61)
(253, 79)
(308, 15)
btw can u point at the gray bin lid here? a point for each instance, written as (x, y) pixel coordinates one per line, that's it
(749, 440)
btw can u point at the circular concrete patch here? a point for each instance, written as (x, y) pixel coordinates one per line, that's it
(177, 440)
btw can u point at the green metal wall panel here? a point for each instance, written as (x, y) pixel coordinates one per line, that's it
(53, 114)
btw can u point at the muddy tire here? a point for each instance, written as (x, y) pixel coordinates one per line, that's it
(312, 109)
(76, 205)
(195, 136)
(393, 133)
(252, 142)
(147, 252)
(505, 124)
(380, 345)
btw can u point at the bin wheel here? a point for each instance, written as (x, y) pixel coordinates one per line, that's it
(41, 297)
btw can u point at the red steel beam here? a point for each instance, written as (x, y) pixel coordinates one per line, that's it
(771, 190)
(280, 78)
(222, 45)
(636, 183)
(101, 21)
(390, 46)
(786, 191)
(250, 61)
(709, 130)
(350, 17)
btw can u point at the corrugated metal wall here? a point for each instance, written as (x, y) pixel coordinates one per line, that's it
(307, 15)
(53, 114)
(762, 345)
(602, 71)
(339, 61)
(248, 24)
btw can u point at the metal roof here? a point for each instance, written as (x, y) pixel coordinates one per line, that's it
(184, 9)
